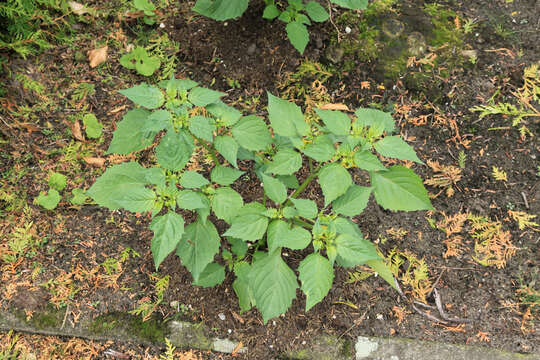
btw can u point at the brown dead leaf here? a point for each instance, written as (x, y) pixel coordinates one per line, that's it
(94, 161)
(341, 107)
(76, 130)
(97, 56)
(77, 8)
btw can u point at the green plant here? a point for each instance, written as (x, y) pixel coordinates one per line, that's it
(296, 20)
(526, 97)
(138, 59)
(148, 9)
(28, 26)
(57, 182)
(293, 15)
(326, 144)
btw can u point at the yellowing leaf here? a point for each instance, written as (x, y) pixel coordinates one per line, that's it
(499, 174)
(97, 56)
(78, 9)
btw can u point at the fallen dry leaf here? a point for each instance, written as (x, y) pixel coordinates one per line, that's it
(76, 131)
(94, 161)
(97, 56)
(341, 107)
(77, 8)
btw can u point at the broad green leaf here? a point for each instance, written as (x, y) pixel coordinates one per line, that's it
(334, 180)
(273, 285)
(289, 212)
(316, 275)
(192, 200)
(286, 117)
(367, 161)
(241, 285)
(346, 226)
(280, 234)
(375, 118)
(274, 189)
(221, 9)
(224, 175)
(148, 65)
(316, 12)
(193, 180)
(144, 5)
(252, 208)
(130, 134)
(123, 186)
(252, 133)
(271, 12)
(198, 246)
(57, 181)
(355, 250)
(298, 35)
(174, 151)
(306, 208)
(289, 181)
(79, 196)
(202, 127)
(48, 200)
(92, 127)
(352, 4)
(228, 148)
(321, 150)
(168, 230)
(182, 85)
(147, 96)
(395, 147)
(212, 275)
(353, 202)
(337, 122)
(400, 188)
(157, 121)
(226, 203)
(383, 270)
(200, 96)
(249, 227)
(238, 246)
(227, 114)
(285, 162)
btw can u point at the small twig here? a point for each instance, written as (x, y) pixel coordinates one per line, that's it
(436, 281)
(525, 199)
(438, 302)
(332, 22)
(65, 317)
(429, 316)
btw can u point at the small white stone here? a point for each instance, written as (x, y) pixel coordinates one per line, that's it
(348, 30)
(229, 331)
(271, 346)
(221, 316)
(162, 25)
(274, 322)
(304, 342)
(334, 317)
(380, 317)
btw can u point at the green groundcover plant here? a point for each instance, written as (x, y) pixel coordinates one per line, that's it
(188, 118)
(297, 15)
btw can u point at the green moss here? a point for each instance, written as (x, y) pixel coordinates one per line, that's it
(48, 318)
(150, 330)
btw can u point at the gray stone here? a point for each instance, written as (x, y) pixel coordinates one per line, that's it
(409, 349)
(189, 336)
(226, 346)
(417, 44)
(324, 347)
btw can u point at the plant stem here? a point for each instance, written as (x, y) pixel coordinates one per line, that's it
(210, 150)
(309, 179)
(303, 224)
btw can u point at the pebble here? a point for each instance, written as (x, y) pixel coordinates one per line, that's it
(251, 49)
(221, 316)
(348, 30)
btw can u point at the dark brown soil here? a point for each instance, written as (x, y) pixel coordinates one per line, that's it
(78, 240)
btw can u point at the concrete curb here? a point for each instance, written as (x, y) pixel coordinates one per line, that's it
(128, 328)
